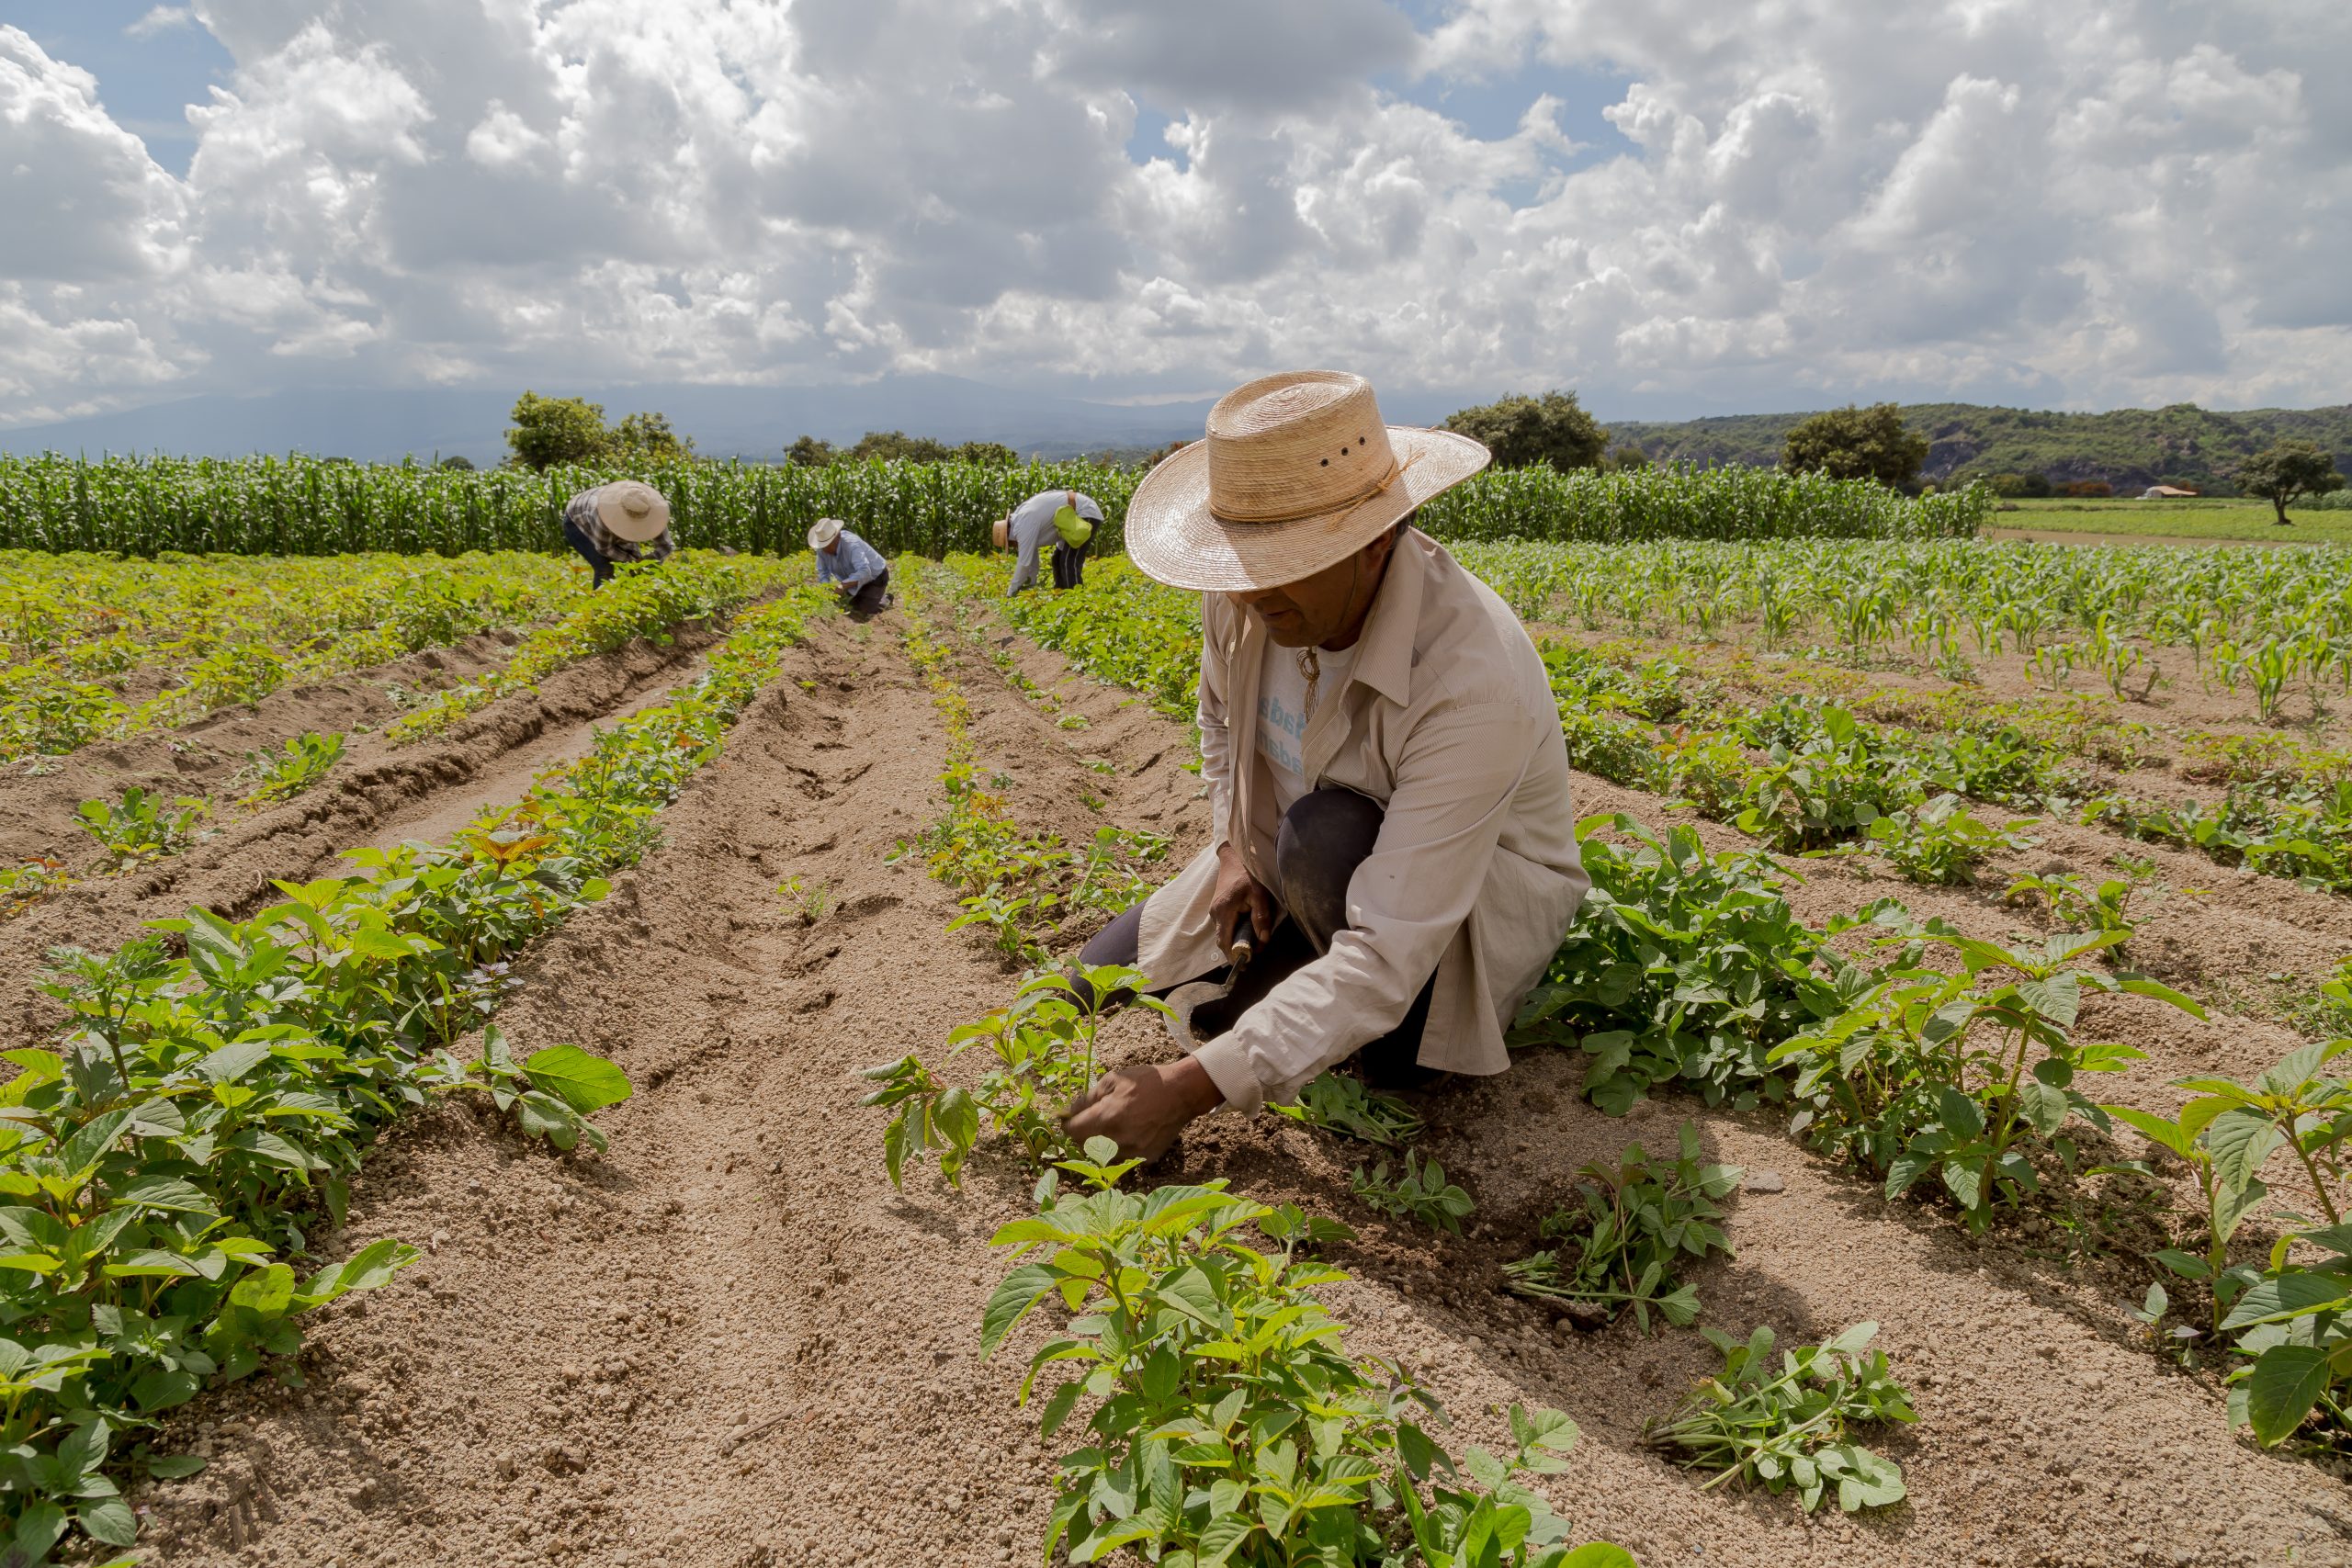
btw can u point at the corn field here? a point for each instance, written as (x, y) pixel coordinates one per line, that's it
(1587, 506)
(314, 507)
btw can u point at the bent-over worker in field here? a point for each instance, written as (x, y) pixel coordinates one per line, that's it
(1066, 519)
(856, 569)
(1389, 787)
(618, 522)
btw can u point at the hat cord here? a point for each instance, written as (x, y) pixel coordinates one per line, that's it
(1396, 472)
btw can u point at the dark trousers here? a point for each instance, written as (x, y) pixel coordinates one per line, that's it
(867, 599)
(597, 564)
(1069, 564)
(1324, 837)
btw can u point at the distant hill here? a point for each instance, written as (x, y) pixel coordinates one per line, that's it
(377, 424)
(2130, 449)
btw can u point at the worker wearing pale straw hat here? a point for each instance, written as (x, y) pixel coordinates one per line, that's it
(855, 568)
(1066, 519)
(1392, 836)
(617, 523)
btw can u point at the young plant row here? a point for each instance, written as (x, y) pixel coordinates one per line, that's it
(1634, 1221)
(1691, 968)
(1022, 888)
(2280, 1324)
(1224, 1423)
(103, 615)
(78, 628)
(1792, 1431)
(1224, 1419)
(141, 826)
(168, 1153)
(1806, 774)
(1632, 1224)
(1801, 774)
(2254, 617)
(640, 601)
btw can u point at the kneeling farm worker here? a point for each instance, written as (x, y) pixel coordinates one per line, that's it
(856, 569)
(1393, 832)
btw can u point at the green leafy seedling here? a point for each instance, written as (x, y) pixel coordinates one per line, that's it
(1789, 1428)
(1420, 1191)
(1632, 1225)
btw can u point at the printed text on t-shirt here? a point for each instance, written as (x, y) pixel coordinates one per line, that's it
(1278, 731)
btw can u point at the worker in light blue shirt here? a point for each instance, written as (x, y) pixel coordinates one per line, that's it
(1065, 519)
(852, 565)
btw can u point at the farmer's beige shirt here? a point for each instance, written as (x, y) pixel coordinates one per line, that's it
(1447, 719)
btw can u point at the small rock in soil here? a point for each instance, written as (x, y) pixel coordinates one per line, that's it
(1586, 1317)
(1763, 1182)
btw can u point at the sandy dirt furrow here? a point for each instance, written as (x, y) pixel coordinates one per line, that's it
(204, 756)
(379, 794)
(729, 1342)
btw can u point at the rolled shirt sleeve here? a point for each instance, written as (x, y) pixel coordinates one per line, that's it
(1455, 781)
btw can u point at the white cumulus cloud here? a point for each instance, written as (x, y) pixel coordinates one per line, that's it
(1792, 202)
(161, 20)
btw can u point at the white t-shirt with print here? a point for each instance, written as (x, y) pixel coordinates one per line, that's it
(1283, 714)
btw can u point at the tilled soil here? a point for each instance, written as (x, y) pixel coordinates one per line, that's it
(203, 757)
(729, 1342)
(379, 794)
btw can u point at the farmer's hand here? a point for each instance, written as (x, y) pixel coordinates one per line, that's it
(1143, 1109)
(1238, 892)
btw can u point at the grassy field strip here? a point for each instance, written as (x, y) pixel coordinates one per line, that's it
(228, 631)
(2317, 519)
(202, 1110)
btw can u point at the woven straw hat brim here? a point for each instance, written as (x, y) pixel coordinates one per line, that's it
(1173, 536)
(639, 529)
(823, 534)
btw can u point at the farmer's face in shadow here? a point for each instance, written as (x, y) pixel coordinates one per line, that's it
(1328, 609)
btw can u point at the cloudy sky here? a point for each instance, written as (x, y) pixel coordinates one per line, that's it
(1674, 206)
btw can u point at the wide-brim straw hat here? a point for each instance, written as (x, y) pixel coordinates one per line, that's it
(632, 511)
(1002, 532)
(825, 531)
(1297, 473)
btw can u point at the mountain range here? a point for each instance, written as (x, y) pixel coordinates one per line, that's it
(379, 426)
(758, 422)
